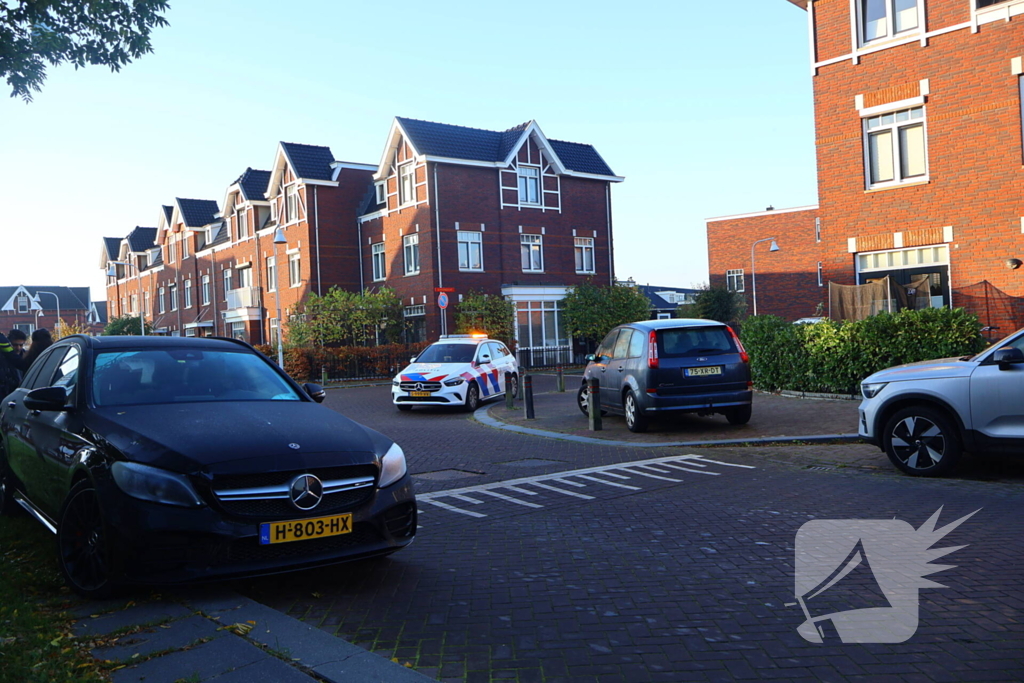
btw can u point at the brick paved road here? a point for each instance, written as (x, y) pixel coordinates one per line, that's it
(671, 581)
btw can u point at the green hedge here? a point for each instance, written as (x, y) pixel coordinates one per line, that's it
(834, 356)
(342, 363)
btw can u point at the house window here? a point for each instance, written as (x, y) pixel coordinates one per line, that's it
(134, 304)
(821, 282)
(206, 290)
(382, 191)
(817, 229)
(411, 252)
(227, 282)
(734, 280)
(1020, 86)
(988, 3)
(532, 249)
(188, 294)
(294, 271)
(171, 253)
(406, 184)
(172, 294)
(161, 300)
(471, 250)
(377, 256)
(273, 331)
(238, 331)
(241, 224)
(291, 207)
(184, 247)
(529, 185)
(244, 276)
(584, 254)
(415, 324)
(271, 274)
(895, 147)
(145, 303)
(27, 328)
(885, 18)
(22, 304)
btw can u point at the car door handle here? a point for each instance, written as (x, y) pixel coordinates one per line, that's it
(12, 404)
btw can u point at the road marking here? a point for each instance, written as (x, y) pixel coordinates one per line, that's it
(628, 471)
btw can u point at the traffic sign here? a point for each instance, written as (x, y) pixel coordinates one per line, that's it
(442, 300)
(444, 289)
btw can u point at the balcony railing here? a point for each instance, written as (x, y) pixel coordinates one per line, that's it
(243, 297)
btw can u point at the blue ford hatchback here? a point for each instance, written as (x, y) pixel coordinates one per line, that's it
(662, 367)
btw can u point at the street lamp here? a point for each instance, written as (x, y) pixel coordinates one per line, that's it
(278, 239)
(112, 272)
(57, 299)
(753, 274)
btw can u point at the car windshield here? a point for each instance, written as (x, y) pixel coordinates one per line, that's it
(185, 375)
(694, 341)
(447, 353)
(1015, 340)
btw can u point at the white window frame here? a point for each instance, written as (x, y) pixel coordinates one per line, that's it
(381, 189)
(821, 282)
(411, 253)
(524, 181)
(188, 294)
(294, 269)
(145, 302)
(133, 303)
(889, 29)
(582, 248)
(531, 245)
(470, 244)
(172, 251)
(162, 301)
(241, 224)
(172, 292)
(205, 294)
(228, 276)
(23, 303)
(271, 273)
(184, 246)
(407, 184)
(735, 280)
(291, 204)
(890, 123)
(378, 259)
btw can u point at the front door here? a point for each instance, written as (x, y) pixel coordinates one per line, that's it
(997, 402)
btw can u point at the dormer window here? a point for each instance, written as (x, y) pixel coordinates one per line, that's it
(887, 18)
(22, 304)
(406, 184)
(382, 191)
(291, 204)
(529, 185)
(241, 224)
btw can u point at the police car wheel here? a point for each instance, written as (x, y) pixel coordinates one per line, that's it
(472, 398)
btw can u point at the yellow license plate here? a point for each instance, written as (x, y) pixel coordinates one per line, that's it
(419, 393)
(700, 372)
(302, 529)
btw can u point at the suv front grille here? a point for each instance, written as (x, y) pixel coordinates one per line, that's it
(420, 386)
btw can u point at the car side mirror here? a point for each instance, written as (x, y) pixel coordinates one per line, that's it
(1007, 356)
(590, 358)
(46, 398)
(315, 391)
(485, 358)
(413, 359)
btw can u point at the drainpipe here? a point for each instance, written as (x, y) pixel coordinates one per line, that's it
(316, 227)
(213, 283)
(437, 228)
(608, 212)
(359, 252)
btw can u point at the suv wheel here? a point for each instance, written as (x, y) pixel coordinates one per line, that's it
(83, 543)
(635, 420)
(922, 441)
(740, 415)
(472, 397)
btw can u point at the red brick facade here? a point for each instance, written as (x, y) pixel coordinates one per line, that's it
(959, 70)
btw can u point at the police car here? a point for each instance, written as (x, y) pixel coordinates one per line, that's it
(457, 370)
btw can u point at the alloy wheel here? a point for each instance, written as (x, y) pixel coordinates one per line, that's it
(918, 442)
(82, 542)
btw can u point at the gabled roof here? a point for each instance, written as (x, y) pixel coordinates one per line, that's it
(657, 301)
(311, 162)
(168, 213)
(111, 246)
(99, 313)
(447, 141)
(253, 184)
(68, 298)
(195, 213)
(141, 239)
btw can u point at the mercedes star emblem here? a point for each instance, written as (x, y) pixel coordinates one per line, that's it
(306, 491)
(294, 446)
(419, 386)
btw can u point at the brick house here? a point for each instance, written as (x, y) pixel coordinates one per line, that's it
(503, 212)
(919, 106)
(508, 213)
(28, 308)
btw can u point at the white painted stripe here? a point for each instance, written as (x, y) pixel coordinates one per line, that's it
(609, 483)
(446, 506)
(652, 468)
(510, 499)
(652, 476)
(562, 491)
(465, 499)
(719, 462)
(613, 474)
(687, 469)
(519, 490)
(571, 483)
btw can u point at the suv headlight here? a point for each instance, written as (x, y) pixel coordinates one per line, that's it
(155, 485)
(871, 390)
(396, 381)
(392, 466)
(454, 382)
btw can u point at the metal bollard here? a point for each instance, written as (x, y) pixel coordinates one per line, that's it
(508, 392)
(323, 375)
(561, 379)
(528, 395)
(594, 404)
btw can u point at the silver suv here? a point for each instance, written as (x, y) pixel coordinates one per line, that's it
(924, 415)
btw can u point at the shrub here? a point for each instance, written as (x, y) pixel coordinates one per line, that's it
(834, 356)
(309, 363)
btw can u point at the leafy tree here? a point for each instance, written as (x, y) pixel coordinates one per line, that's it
(66, 329)
(715, 303)
(479, 312)
(347, 318)
(80, 32)
(124, 324)
(591, 310)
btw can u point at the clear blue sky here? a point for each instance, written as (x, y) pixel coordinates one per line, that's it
(704, 107)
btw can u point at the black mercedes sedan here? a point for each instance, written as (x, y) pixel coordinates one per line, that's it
(172, 459)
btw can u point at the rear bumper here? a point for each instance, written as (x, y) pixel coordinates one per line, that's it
(653, 403)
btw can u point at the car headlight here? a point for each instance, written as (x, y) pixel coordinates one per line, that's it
(454, 382)
(396, 381)
(392, 466)
(871, 390)
(156, 485)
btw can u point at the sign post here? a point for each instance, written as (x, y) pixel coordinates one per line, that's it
(442, 303)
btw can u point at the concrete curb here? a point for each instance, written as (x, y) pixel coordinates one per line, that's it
(483, 417)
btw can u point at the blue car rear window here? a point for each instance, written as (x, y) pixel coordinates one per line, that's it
(694, 341)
